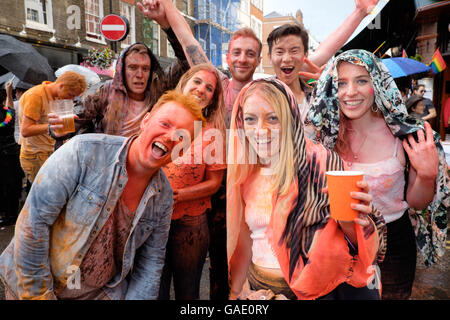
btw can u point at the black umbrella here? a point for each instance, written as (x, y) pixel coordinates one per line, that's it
(8, 77)
(24, 61)
(17, 83)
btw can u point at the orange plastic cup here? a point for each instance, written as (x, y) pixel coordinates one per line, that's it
(340, 184)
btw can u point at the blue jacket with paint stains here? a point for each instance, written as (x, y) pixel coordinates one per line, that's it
(71, 199)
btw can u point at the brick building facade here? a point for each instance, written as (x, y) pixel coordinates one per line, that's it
(64, 31)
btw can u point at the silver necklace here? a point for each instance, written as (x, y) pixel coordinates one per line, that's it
(355, 154)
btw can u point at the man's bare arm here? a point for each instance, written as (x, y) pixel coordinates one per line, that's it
(338, 37)
(166, 14)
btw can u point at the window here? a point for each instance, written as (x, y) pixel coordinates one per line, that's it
(257, 4)
(213, 11)
(39, 15)
(155, 40)
(93, 15)
(202, 9)
(214, 54)
(185, 7)
(128, 12)
(245, 6)
(256, 25)
(203, 44)
(170, 52)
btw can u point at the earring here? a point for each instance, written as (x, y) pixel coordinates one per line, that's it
(374, 109)
(205, 112)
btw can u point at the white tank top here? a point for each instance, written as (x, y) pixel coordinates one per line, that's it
(386, 181)
(257, 195)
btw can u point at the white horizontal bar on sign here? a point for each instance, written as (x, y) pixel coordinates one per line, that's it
(113, 27)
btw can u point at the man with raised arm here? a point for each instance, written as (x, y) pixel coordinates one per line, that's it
(243, 57)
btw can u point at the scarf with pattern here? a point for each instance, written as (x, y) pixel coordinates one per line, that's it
(312, 251)
(430, 224)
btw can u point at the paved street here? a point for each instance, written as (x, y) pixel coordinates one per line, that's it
(430, 284)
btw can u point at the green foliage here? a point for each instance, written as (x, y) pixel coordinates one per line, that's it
(100, 57)
(417, 57)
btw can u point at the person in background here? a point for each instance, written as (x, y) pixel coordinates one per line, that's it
(404, 92)
(416, 107)
(37, 145)
(118, 106)
(447, 116)
(19, 90)
(11, 176)
(430, 111)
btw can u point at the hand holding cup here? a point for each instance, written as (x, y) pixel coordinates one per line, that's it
(61, 118)
(350, 200)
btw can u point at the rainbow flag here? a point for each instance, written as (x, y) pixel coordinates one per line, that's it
(437, 63)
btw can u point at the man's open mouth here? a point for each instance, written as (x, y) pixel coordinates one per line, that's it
(287, 71)
(159, 150)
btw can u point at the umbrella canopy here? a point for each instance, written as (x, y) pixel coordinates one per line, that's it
(17, 83)
(402, 67)
(90, 76)
(8, 77)
(24, 60)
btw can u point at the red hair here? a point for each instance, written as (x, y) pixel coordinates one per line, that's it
(246, 33)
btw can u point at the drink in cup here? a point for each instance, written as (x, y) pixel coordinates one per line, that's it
(340, 184)
(64, 109)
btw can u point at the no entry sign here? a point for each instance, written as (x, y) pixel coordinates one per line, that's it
(114, 27)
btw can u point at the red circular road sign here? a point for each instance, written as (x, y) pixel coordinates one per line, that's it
(114, 27)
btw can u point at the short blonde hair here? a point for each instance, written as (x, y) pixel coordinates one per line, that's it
(187, 102)
(72, 81)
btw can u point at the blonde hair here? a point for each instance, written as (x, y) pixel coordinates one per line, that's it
(284, 170)
(187, 102)
(72, 81)
(216, 107)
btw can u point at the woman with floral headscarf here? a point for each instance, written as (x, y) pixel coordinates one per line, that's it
(279, 232)
(361, 115)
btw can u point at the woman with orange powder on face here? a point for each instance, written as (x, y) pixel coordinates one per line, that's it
(281, 240)
(194, 178)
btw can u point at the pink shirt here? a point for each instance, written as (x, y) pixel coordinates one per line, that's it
(229, 97)
(386, 181)
(256, 193)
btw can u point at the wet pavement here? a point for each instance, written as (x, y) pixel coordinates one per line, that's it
(430, 283)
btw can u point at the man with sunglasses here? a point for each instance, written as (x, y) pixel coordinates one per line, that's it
(430, 111)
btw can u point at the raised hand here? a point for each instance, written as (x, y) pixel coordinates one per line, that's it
(366, 5)
(423, 154)
(154, 10)
(315, 70)
(9, 87)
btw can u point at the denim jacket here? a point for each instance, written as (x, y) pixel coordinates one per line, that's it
(73, 195)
